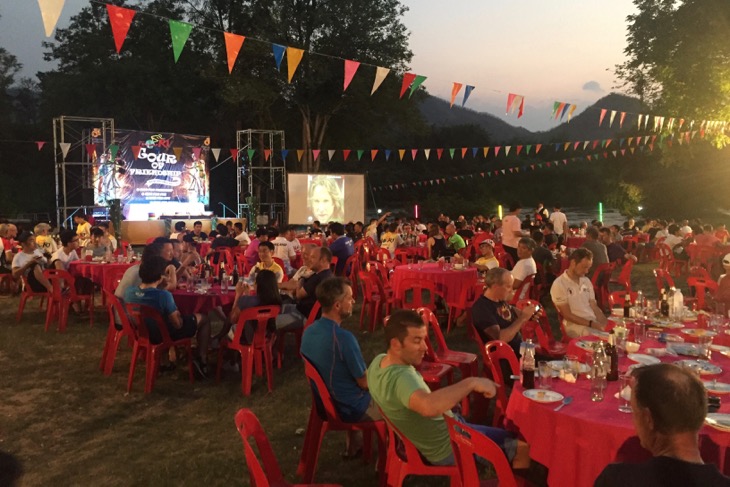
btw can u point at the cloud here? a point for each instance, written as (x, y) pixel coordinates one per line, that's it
(593, 86)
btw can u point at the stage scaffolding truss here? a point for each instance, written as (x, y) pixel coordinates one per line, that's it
(261, 182)
(76, 174)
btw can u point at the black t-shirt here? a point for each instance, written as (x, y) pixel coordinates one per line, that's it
(551, 239)
(487, 313)
(543, 257)
(310, 284)
(224, 242)
(466, 234)
(661, 472)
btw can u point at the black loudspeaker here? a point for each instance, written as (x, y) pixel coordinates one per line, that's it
(270, 196)
(87, 197)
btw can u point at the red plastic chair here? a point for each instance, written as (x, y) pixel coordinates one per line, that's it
(703, 256)
(268, 474)
(543, 331)
(618, 298)
(407, 460)
(624, 278)
(401, 255)
(495, 351)
(699, 288)
(505, 260)
(352, 266)
(63, 296)
(376, 299)
(700, 272)
(323, 417)
(224, 254)
(417, 287)
(297, 332)
(600, 279)
(382, 255)
(113, 335)
(631, 244)
(467, 444)
(27, 294)
(467, 297)
(283, 268)
(525, 289)
(333, 263)
(261, 349)
(668, 262)
(663, 280)
(467, 363)
(139, 314)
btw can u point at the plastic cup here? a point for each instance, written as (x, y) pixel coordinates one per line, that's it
(624, 393)
(704, 342)
(639, 331)
(572, 365)
(546, 374)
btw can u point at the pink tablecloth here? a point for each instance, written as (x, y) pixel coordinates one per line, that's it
(577, 442)
(449, 283)
(96, 271)
(574, 242)
(189, 302)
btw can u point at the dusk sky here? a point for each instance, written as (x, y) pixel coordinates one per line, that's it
(557, 50)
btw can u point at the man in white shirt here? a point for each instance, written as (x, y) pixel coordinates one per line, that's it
(560, 224)
(243, 239)
(62, 257)
(512, 230)
(685, 229)
(284, 249)
(573, 296)
(525, 267)
(30, 263)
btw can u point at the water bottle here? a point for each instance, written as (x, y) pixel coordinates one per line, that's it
(678, 305)
(670, 302)
(640, 303)
(599, 371)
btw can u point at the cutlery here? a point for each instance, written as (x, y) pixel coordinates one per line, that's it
(565, 402)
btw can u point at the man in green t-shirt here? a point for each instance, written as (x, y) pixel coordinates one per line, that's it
(409, 404)
(456, 243)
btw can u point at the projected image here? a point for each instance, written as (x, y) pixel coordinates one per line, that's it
(326, 198)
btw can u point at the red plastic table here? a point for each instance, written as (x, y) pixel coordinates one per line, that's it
(189, 302)
(577, 442)
(574, 242)
(96, 271)
(449, 283)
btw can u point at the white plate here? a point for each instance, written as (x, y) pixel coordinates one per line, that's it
(718, 420)
(669, 325)
(541, 395)
(698, 332)
(643, 359)
(557, 365)
(674, 338)
(716, 387)
(720, 348)
(705, 367)
(689, 349)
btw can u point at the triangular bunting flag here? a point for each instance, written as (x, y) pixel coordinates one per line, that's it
(414, 153)
(603, 114)
(613, 115)
(387, 154)
(556, 109)
(427, 153)
(91, 150)
(537, 148)
(345, 154)
(454, 91)
(267, 154)
(178, 152)
(196, 153)
(179, 31)
(496, 150)
(565, 109)
(65, 146)
(249, 152)
(330, 154)
(359, 154)
(452, 152)
(373, 154)
(293, 58)
(585, 144)
(216, 152)
(467, 92)
(233, 47)
(639, 120)
(234, 155)
(113, 149)
(522, 107)
(137, 148)
(486, 151)
(463, 152)
(575, 146)
(284, 153)
(401, 153)
(474, 151)
(529, 146)
(120, 19)
(439, 153)
(407, 80)
(416, 83)
(350, 70)
(507, 149)
(380, 74)
(570, 112)
(315, 152)
(278, 51)
(50, 12)
(621, 120)
(300, 153)
(565, 146)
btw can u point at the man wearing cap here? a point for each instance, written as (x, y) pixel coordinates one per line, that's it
(512, 230)
(30, 263)
(487, 260)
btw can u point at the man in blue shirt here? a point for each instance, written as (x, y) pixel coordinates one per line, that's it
(148, 293)
(336, 355)
(342, 247)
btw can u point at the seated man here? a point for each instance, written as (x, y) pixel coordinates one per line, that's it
(198, 234)
(492, 315)
(162, 247)
(614, 250)
(668, 406)
(284, 247)
(252, 251)
(405, 399)
(96, 244)
(179, 232)
(574, 297)
(152, 273)
(454, 240)
(62, 257)
(391, 240)
(30, 263)
(487, 260)
(43, 240)
(266, 262)
(336, 355)
(599, 251)
(189, 254)
(526, 266)
(342, 247)
(240, 235)
(320, 259)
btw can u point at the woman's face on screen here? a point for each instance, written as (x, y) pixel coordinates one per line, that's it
(322, 204)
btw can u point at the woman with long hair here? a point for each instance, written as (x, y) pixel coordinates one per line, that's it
(325, 200)
(266, 294)
(436, 242)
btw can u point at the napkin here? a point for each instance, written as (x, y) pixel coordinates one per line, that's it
(625, 393)
(569, 378)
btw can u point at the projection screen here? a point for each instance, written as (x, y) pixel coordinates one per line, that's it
(325, 197)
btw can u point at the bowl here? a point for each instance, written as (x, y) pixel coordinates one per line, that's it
(632, 347)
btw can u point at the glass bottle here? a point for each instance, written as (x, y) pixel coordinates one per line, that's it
(234, 275)
(528, 365)
(224, 278)
(664, 306)
(627, 306)
(598, 372)
(612, 355)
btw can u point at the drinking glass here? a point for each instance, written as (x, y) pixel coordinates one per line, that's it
(624, 393)
(572, 365)
(715, 323)
(639, 331)
(704, 342)
(546, 374)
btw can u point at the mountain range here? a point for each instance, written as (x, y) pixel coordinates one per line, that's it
(584, 126)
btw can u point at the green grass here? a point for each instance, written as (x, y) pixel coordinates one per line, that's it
(70, 425)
